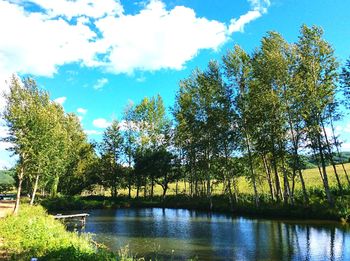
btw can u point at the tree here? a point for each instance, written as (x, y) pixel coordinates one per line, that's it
(27, 123)
(203, 129)
(152, 126)
(129, 145)
(317, 76)
(111, 150)
(345, 83)
(238, 70)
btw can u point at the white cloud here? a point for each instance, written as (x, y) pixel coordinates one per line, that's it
(85, 8)
(93, 132)
(157, 38)
(60, 100)
(102, 35)
(101, 123)
(5, 160)
(82, 111)
(100, 83)
(345, 146)
(36, 44)
(238, 25)
(4, 132)
(4, 86)
(259, 7)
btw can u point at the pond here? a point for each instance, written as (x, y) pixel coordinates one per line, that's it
(180, 234)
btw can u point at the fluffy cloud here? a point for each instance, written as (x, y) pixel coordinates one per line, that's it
(88, 8)
(99, 33)
(93, 132)
(82, 111)
(36, 44)
(259, 7)
(100, 83)
(238, 25)
(5, 160)
(60, 100)
(101, 123)
(157, 38)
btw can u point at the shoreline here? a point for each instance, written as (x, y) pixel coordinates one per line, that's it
(285, 213)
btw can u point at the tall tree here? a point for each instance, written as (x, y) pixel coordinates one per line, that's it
(238, 70)
(317, 76)
(111, 151)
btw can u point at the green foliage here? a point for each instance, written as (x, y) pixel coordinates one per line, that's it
(7, 181)
(50, 144)
(33, 233)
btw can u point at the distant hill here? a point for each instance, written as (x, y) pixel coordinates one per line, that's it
(310, 162)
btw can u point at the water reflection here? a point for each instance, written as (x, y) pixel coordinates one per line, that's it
(185, 234)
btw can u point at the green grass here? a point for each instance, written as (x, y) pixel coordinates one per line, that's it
(311, 176)
(317, 208)
(33, 233)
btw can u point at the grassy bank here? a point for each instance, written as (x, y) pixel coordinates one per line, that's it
(312, 180)
(317, 208)
(33, 233)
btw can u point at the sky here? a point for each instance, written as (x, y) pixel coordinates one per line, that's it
(96, 56)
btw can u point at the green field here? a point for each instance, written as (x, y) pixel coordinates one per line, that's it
(311, 176)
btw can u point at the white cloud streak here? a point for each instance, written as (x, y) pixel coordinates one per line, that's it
(100, 83)
(101, 123)
(259, 7)
(82, 111)
(60, 100)
(93, 132)
(97, 33)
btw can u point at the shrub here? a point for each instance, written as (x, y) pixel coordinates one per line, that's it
(33, 233)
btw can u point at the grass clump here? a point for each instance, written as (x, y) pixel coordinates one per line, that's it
(33, 233)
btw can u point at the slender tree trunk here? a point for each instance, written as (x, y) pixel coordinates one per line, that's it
(235, 189)
(115, 191)
(230, 193)
(324, 172)
(165, 188)
(287, 195)
(268, 175)
(55, 186)
(305, 195)
(19, 188)
(296, 166)
(331, 158)
(209, 194)
(279, 193)
(176, 187)
(137, 191)
(34, 189)
(256, 196)
(338, 152)
(152, 186)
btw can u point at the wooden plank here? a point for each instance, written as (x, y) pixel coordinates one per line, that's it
(59, 216)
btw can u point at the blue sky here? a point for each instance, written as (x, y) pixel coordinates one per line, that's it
(94, 56)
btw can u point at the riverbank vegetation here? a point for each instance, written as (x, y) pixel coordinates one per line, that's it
(33, 233)
(238, 135)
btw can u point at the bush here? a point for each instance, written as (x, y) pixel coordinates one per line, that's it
(33, 233)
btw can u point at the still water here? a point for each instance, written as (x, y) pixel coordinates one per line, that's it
(178, 234)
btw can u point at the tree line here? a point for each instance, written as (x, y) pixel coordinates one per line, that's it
(250, 115)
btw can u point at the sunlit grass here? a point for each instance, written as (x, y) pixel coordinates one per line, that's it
(34, 233)
(311, 176)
